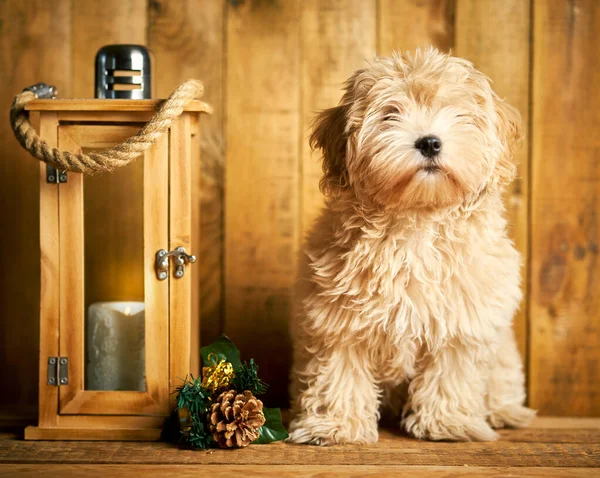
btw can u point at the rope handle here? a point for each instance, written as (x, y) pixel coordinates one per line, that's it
(108, 159)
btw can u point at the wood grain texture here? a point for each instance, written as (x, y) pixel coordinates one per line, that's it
(76, 271)
(98, 136)
(199, 280)
(92, 434)
(338, 37)
(110, 106)
(34, 46)
(565, 285)
(156, 237)
(180, 235)
(105, 116)
(285, 471)
(548, 423)
(187, 40)
(409, 24)
(500, 49)
(391, 450)
(262, 183)
(71, 276)
(109, 421)
(97, 23)
(275, 63)
(47, 125)
(92, 402)
(552, 435)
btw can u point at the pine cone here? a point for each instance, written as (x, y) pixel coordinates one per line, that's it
(235, 419)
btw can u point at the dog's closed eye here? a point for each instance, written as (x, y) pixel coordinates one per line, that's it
(464, 118)
(392, 116)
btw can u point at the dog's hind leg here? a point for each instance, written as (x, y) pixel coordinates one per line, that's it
(506, 387)
(339, 400)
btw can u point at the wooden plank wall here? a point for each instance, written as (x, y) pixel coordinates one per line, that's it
(503, 55)
(269, 66)
(337, 37)
(35, 43)
(187, 40)
(565, 209)
(262, 180)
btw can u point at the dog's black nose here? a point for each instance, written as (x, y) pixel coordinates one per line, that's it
(429, 146)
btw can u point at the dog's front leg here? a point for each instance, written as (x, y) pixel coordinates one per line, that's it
(338, 401)
(447, 397)
(506, 389)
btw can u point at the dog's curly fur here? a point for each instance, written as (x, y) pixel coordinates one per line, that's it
(410, 283)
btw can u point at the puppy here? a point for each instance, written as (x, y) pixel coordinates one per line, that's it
(410, 284)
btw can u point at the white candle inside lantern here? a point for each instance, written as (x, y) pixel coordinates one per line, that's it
(115, 351)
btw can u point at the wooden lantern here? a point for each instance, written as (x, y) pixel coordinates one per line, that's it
(119, 310)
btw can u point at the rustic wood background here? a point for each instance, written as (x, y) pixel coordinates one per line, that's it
(268, 66)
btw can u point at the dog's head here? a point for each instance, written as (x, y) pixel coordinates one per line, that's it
(417, 131)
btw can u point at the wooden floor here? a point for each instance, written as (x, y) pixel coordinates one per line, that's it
(551, 447)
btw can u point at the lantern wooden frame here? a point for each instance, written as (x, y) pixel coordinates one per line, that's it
(171, 219)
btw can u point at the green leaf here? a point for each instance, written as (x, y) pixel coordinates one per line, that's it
(223, 348)
(273, 429)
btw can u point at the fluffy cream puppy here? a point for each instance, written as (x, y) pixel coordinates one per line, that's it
(410, 283)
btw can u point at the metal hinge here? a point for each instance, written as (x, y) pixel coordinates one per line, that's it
(54, 176)
(58, 371)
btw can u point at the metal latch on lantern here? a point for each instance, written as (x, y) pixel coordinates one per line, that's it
(58, 371)
(180, 257)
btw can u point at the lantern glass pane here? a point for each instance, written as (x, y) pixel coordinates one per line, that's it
(114, 279)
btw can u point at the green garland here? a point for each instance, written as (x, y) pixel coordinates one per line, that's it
(191, 396)
(246, 378)
(189, 423)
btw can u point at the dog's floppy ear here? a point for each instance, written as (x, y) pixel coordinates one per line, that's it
(509, 130)
(329, 135)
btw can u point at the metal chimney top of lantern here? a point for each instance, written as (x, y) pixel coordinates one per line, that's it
(123, 72)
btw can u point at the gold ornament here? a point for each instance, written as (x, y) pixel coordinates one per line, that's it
(217, 376)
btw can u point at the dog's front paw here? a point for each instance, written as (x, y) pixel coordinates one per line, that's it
(514, 416)
(324, 431)
(452, 427)
(306, 436)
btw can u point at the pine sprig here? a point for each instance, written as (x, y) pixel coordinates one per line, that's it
(192, 395)
(246, 378)
(199, 436)
(196, 399)
(189, 424)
